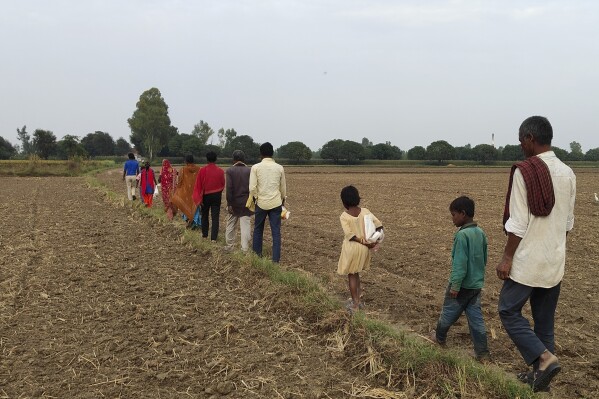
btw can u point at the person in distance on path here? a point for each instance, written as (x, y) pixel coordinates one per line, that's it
(148, 184)
(237, 192)
(268, 190)
(208, 193)
(183, 198)
(130, 172)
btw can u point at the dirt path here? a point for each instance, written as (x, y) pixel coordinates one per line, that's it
(96, 301)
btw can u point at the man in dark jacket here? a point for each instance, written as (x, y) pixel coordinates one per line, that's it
(237, 182)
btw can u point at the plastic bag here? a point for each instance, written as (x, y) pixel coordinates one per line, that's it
(370, 232)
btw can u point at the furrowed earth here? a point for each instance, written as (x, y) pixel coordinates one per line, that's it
(98, 300)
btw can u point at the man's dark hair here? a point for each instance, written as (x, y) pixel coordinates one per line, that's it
(350, 196)
(189, 158)
(211, 156)
(238, 156)
(537, 127)
(463, 204)
(266, 150)
(131, 155)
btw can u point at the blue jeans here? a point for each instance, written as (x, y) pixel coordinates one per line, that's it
(468, 301)
(274, 218)
(543, 302)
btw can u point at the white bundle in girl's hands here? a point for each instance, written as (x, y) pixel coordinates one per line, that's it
(378, 236)
(370, 232)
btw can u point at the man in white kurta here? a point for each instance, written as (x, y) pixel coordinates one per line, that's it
(533, 261)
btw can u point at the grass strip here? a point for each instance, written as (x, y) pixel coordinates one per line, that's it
(400, 350)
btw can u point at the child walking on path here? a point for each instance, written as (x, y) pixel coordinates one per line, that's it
(147, 184)
(355, 251)
(469, 258)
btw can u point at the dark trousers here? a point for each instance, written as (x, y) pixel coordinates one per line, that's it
(468, 301)
(211, 204)
(274, 218)
(543, 301)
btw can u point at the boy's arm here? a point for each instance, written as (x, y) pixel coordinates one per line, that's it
(459, 265)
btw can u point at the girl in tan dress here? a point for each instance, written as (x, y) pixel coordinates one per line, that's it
(355, 251)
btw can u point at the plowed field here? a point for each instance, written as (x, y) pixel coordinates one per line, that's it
(97, 301)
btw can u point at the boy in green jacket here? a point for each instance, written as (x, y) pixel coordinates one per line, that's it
(469, 258)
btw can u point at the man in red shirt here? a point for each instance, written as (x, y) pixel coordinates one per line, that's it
(208, 192)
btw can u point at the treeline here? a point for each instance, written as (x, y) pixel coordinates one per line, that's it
(43, 144)
(152, 135)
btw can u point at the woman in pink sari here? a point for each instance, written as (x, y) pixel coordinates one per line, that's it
(168, 175)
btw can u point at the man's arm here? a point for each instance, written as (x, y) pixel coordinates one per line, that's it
(516, 225)
(283, 186)
(505, 265)
(253, 182)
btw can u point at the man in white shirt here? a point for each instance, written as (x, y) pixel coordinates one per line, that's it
(539, 215)
(268, 188)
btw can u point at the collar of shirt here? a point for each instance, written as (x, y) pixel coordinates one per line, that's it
(546, 154)
(471, 224)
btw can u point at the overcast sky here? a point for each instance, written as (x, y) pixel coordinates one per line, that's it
(408, 72)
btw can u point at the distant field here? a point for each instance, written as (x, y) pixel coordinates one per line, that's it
(38, 167)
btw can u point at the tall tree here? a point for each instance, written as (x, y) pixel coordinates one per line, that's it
(98, 144)
(191, 145)
(576, 153)
(512, 152)
(337, 150)
(332, 150)
(485, 153)
(70, 147)
(246, 144)
(440, 151)
(6, 149)
(23, 136)
(592, 155)
(464, 153)
(295, 151)
(203, 131)
(385, 151)
(150, 124)
(354, 151)
(417, 153)
(122, 147)
(44, 143)
(225, 136)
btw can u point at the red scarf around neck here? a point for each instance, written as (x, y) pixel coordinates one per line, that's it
(539, 187)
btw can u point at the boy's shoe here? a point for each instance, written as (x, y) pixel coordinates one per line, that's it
(134, 198)
(433, 337)
(484, 358)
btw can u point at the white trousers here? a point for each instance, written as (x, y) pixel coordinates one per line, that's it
(130, 181)
(244, 226)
